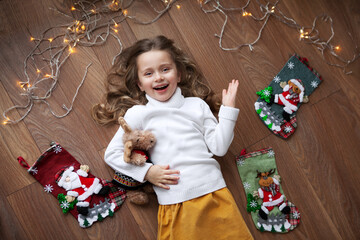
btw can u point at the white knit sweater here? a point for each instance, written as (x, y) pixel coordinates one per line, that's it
(188, 135)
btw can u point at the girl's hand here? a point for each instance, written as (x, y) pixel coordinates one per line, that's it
(229, 95)
(161, 176)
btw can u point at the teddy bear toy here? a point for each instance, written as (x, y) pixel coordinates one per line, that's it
(269, 192)
(137, 143)
(79, 185)
(292, 95)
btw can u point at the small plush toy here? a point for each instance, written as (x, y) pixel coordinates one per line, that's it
(137, 143)
(292, 95)
(269, 192)
(79, 185)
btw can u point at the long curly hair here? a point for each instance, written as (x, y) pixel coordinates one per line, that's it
(122, 91)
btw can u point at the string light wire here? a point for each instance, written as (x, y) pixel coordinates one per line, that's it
(92, 23)
(272, 10)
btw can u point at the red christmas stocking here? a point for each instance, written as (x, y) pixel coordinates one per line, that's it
(86, 197)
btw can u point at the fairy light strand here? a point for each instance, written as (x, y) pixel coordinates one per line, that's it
(272, 10)
(91, 25)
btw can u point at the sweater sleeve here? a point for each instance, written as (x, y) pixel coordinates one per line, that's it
(219, 135)
(114, 154)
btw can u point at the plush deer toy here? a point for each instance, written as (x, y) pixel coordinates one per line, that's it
(269, 191)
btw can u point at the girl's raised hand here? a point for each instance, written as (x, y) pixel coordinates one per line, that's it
(161, 176)
(229, 95)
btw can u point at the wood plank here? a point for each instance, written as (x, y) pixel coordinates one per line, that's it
(40, 216)
(317, 164)
(15, 141)
(10, 227)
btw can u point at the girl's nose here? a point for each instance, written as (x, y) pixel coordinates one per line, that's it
(158, 77)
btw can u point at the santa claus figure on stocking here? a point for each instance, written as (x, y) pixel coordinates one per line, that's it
(79, 185)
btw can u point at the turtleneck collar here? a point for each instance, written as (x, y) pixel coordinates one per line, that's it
(176, 100)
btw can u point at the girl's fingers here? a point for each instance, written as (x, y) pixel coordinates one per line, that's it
(163, 186)
(170, 172)
(171, 182)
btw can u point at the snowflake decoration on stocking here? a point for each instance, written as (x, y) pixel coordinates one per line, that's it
(314, 84)
(277, 79)
(57, 149)
(271, 153)
(241, 162)
(288, 129)
(253, 204)
(33, 171)
(290, 65)
(296, 215)
(65, 205)
(48, 188)
(247, 185)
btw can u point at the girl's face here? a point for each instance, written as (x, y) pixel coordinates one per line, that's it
(158, 75)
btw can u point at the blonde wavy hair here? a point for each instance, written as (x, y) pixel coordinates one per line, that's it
(122, 91)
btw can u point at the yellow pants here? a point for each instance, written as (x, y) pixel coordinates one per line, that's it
(212, 216)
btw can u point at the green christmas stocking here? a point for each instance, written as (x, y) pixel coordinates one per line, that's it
(278, 103)
(270, 209)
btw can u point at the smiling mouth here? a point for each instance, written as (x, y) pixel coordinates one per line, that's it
(161, 87)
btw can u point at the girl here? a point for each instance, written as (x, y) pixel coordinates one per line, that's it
(157, 88)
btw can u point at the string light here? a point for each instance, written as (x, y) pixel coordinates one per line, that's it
(114, 6)
(95, 27)
(246, 14)
(267, 10)
(115, 24)
(24, 86)
(71, 50)
(91, 27)
(303, 34)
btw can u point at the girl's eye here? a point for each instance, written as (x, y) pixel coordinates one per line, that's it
(166, 69)
(148, 74)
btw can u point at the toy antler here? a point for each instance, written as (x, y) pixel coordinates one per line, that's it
(124, 125)
(272, 171)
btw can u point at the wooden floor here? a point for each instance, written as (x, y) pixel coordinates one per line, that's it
(319, 164)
